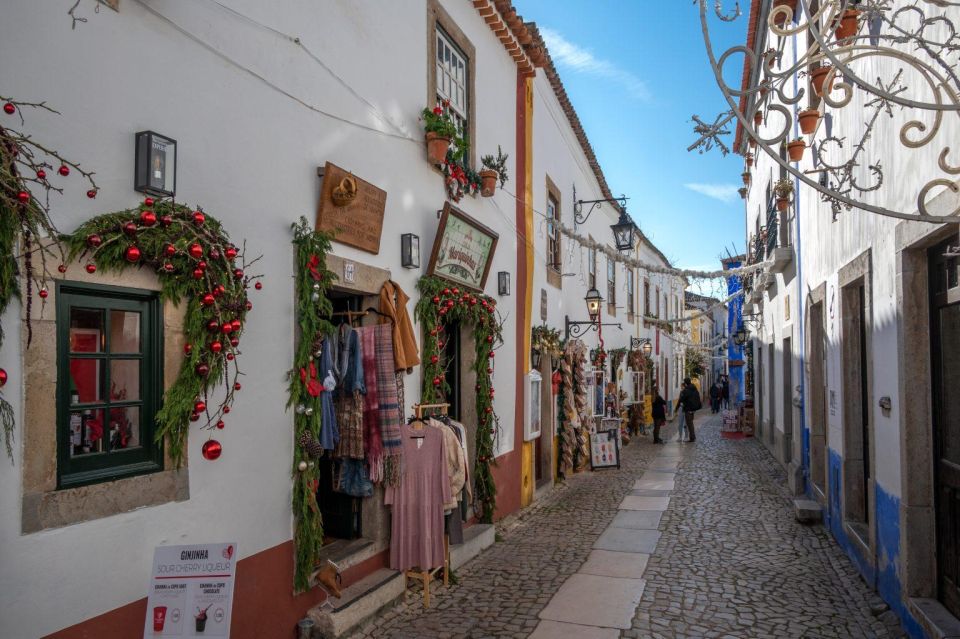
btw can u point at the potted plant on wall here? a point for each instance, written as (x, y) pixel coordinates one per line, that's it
(746, 178)
(440, 130)
(795, 149)
(818, 78)
(783, 188)
(808, 119)
(849, 24)
(494, 168)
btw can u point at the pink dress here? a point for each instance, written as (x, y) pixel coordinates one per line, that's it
(417, 501)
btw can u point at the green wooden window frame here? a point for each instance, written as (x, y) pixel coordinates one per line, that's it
(109, 464)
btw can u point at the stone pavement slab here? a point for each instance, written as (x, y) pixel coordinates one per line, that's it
(607, 563)
(632, 502)
(626, 540)
(555, 630)
(653, 484)
(639, 519)
(654, 475)
(591, 600)
(646, 492)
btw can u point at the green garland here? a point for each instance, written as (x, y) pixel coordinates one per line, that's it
(442, 302)
(194, 261)
(313, 280)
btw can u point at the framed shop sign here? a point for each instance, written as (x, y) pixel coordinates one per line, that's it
(350, 209)
(191, 591)
(462, 250)
(604, 451)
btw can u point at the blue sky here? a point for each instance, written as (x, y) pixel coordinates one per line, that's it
(636, 71)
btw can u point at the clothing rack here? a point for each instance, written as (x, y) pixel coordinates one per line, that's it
(426, 576)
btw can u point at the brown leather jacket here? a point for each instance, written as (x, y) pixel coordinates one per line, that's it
(393, 304)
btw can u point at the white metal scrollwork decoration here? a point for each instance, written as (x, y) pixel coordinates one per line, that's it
(910, 47)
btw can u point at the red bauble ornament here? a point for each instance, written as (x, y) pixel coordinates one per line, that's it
(456, 291)
(199, 218)
(132, 254)
(187, 348)
(202, 369)
(202, 265)
(9, 108)
(197, 274)
(436, 299)
(212, 450)
(258, 285)
(434, 359)
(248, 305)
(23, 196)
(237, 325)
(436, 381)
(3, 378)
(91, 267)
(93, 241)
(199, 406)
(231, 253)
(213, 326)
(446, 291)
(196, 251)
(216, 347)
(166, 220)
(148, 201)
(43, 293)
(41, 174)
(62, 268)
(440, 343)
(450, 303)
(490, 371)
(229, 357)
(491, 392)
(220, 424)
(214, 254)
(148, 218)
(169, 250)
(489, 339)
(227, 328)
(194, 417)
(237, 386)
(130, 228)
(226, 410)
(64, 170)
(489, 410)
(92, 193)
(207, 299)
(491, 354)
(473, 301)
(238, 273)
(433, 333)
(234, 342)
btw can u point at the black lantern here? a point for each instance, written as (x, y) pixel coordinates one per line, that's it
(623, 232)
(410, 250)
(535, 356)
(503, 283)
(155, 165)
(647, 348)
(593, 301)
(740, 337)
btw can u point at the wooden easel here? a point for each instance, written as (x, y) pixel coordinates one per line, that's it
(426, 576)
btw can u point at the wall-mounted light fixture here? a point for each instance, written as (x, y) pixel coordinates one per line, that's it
(623, 232)
(503, 283)
(155, 164)
(642, 343)
(410, 250)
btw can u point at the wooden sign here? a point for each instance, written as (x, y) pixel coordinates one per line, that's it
(351, 209)
(462, 250)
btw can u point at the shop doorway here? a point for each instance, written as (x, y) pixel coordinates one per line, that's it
(857, 462)
(787, 401)
(758, 393)
(453, 357)
(818, 413)
(945, 360)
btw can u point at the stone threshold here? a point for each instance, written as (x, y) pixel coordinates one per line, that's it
(936, 620)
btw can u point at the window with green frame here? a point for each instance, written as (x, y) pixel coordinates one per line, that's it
(109, 383)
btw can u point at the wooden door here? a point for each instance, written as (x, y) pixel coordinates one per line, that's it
(945, 360)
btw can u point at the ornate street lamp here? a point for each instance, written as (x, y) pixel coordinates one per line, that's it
(623, 232)
(593, 301)
(740, 336)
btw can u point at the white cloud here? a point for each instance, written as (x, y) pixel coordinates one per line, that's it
(576, 58)
(722, 192)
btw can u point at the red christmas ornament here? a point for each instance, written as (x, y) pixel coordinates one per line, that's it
(187, 348)
(220, 424)
(231, 253)
(226, 410)
(248, 306)
(3, 378)
(258, 285)
(94, 240)
(450, 303)
(194, 417)
(132, 254)
(440, 343)
(214, 254)
(207, 300)
(237, 386)
(169, 250)
(41, 174)
(91, 267)
(221, 289)
(148, 201)
(64, 170)
(213, 326)
(238, 273)
(23, 196)
(489, 410)
(199, 406)
(62, 268)
(130, 228)
(473, 301)
(212, 450)
(490, 371)
(492, 354)
(234, 342)
(229, 357)
(216, 347)
(92, 193)
(489, 339)
(202, 369)
(446, 291)
(491, 392)
(433, 333)
(436, 299)
(196, 251)
(434, 359)
(436, 381)
(9, 109)
(199, 218)
(166, 220)
(456, 291)
(197, 274)
(43, 293)
(148, 218)
(237, 325)
(202, 265)
(227, 328)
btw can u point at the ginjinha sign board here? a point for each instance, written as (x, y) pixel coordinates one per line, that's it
(191, 591)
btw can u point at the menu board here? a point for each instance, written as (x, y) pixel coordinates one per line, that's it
(604, 450)
(191, 591)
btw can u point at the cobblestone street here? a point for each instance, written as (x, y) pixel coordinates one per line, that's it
(730, 560)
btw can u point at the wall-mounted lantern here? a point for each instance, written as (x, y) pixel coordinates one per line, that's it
(593, 301)
(155, 164)
(623, 232)
(410, 250)
(503, 283)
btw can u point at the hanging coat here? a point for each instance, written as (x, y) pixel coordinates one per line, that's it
(393, 304)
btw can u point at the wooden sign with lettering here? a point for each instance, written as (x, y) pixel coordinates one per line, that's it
(462, 250)
(351, 209)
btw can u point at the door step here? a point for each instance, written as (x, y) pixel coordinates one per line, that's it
(807, 511)
(359, 602)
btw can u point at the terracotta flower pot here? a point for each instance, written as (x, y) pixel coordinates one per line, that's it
(818, 78)
(808, 119)
(437, 147)
(752, 143)
(488, 185)
(782, 204)
(795, 149)
(746, 178)
(749, 158)
(849, 24)
(757, 118)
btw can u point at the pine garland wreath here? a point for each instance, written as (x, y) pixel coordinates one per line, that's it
(313, 280)
(29, 172)
(442, 302)
(194, 262)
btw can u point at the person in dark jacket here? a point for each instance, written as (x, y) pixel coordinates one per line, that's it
(659, 415)
(725, 393)
(715, 397)
(690, 401)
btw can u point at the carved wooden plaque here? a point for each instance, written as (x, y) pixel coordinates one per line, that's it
(351, 209)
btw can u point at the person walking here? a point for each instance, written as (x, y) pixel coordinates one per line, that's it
(659, 415)
(725, 393)
(682, 423)
(715, 397)
(689, 400)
